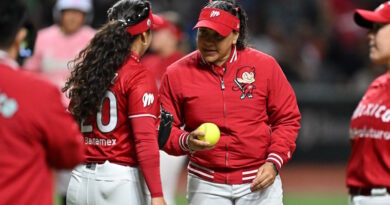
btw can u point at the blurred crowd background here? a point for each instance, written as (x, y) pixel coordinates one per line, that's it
(321, 50)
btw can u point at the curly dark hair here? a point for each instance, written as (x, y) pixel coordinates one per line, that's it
(230, 6)
(95, 66)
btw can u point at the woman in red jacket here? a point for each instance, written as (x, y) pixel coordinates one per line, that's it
(368, 171)
(245, 93)
(116, 102)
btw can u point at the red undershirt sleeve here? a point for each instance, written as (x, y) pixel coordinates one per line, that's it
(145, 139)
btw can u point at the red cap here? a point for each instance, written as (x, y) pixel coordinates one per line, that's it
(365, 18)
(219, 20)
(151, 22)
(166, 24)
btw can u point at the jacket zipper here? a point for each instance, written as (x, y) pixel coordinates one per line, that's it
(224, 115)
(223, 89)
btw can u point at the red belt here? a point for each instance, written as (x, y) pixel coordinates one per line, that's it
(365, 191)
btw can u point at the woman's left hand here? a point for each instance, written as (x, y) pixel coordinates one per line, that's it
(265, 177)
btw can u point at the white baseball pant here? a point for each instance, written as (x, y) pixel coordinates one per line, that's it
(202, 192)
(170, 169)
(370, 200)
(105, 184)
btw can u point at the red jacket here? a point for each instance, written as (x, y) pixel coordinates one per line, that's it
(36, 134)
(369, 163)
(248, 98)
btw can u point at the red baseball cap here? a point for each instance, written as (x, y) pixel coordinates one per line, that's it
(219, 20)
(151, 22)
(365, 18)
(166, 24)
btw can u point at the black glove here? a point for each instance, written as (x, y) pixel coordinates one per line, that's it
(165, 128)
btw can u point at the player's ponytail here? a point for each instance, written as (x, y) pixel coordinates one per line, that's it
(237, 10)
(95, 66)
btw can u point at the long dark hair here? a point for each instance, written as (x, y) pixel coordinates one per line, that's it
(237, 10)
(95, 66)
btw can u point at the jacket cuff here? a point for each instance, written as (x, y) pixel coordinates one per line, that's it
(275, 159)
(183, 141)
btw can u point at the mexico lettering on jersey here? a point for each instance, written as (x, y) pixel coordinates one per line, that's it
(370, 134)
(107, 133)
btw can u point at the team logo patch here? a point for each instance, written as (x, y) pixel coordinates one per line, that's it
(214, 14)
(8, 106)
(245, 77)
(148, 99)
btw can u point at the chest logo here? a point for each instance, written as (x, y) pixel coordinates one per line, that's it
(245, 78)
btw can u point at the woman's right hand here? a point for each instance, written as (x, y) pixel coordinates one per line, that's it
(198, 145)
(158, 201)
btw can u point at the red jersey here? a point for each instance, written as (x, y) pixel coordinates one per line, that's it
(158, 65)
(36, 135)
(369, 163)
(108, 134)
(251, 102)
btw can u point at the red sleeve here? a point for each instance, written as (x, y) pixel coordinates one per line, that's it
(63, 140)
(284, 117)
(176, 144)
(145, 140)
(143, 95)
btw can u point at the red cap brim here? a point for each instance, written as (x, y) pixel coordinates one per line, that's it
(219, 28)
(366, 18)
(157, 20)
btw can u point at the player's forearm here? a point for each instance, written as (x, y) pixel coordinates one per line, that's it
(148, 153)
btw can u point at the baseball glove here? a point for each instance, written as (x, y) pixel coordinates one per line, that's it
(165, 128)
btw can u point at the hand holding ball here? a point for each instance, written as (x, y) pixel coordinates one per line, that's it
(211, 133)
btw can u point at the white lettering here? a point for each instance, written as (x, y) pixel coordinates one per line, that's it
(99, 141)
(378, 112)
(113, 114)
(369, 133)
(357, 111)
(85, 128)
(214, 14)
(374, 109)
(368, 110)
(148, 99)
(386, 116)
